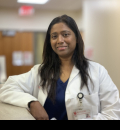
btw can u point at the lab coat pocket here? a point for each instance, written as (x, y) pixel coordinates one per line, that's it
(92, 101)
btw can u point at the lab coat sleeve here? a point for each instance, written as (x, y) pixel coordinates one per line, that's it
(109, 97)
(18, 89)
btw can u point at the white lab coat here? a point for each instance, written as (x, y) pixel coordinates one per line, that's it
(103, 98)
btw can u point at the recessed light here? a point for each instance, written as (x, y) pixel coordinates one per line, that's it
(33, 1)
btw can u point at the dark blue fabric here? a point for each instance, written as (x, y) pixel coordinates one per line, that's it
(58, 109)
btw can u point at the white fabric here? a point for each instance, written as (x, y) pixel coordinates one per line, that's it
(103, 98)
(9, 112)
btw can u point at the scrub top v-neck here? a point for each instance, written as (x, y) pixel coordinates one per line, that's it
(57, 110)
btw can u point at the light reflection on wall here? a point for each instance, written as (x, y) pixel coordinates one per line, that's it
(105, 4)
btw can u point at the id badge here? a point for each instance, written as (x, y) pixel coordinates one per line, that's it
(82, 113)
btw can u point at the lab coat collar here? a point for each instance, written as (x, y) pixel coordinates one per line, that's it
(74, 73)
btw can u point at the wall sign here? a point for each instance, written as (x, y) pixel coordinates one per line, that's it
(17, 58)
(22, 58)
(26, 11)
(28, 58)
(89, 52)
(9, 33)
(3, 75)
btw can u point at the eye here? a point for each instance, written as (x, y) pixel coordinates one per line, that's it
(66, 35)
(54, 36)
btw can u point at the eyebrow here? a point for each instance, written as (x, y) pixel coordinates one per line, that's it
(62, 32)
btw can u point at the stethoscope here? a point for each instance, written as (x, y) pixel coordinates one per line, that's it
(80, 97)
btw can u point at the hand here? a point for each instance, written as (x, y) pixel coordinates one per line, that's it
(38, 112)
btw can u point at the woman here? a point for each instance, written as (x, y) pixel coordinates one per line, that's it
(67, 86)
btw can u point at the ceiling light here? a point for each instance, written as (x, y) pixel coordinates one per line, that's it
(33, 1)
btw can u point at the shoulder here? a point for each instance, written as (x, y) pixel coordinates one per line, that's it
(96, 66)
(36, 67)
(97, 69)
(34, 71)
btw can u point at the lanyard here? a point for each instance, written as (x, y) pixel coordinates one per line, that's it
(80, 97)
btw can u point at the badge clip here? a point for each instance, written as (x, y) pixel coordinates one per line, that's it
(80, 97)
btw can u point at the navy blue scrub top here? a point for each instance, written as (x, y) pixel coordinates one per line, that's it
(57, 110)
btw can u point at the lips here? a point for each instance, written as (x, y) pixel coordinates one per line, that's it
(62, 48)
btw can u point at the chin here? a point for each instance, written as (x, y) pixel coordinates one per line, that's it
(64, 56)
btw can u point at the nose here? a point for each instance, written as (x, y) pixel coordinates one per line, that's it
(60, 39)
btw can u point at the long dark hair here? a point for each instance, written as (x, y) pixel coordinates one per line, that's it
(49, 70)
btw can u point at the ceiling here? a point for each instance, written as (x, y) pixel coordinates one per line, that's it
(72, 5)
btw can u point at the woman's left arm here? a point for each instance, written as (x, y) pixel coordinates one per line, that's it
(109, 98)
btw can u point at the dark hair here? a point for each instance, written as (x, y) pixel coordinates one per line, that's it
(50, 69)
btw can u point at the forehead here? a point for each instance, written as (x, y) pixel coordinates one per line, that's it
(59, 27)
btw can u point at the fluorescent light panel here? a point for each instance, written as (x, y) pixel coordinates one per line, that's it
(33, 1)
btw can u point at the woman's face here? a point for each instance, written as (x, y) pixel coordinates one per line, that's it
(63, 40)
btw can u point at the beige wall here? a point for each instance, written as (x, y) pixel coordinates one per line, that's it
(102, 33)
(39, 44)
(9, 19)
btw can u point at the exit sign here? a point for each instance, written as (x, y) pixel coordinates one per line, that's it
(26, 11)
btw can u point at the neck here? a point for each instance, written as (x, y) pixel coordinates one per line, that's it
(66, 62)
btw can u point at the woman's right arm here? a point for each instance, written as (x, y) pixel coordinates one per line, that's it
(18, 90)
(38, 112)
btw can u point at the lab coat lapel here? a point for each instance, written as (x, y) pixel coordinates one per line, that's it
(43, 95)
(74, 73)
